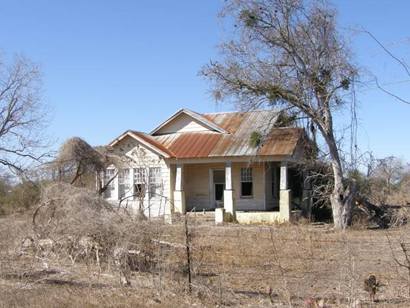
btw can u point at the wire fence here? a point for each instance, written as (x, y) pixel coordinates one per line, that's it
(284, 264)
(235, 264)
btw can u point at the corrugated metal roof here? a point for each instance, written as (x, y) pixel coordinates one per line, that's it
(149, 139)
(190, 145)
(240, 125)
(281, 141)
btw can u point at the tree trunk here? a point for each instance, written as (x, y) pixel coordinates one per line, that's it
(341, 198)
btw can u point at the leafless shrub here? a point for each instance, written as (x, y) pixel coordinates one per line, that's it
(77, 158)
(83, 226)
(400, 217)
(401, 256)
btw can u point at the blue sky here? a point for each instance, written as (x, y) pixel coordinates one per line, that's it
(112, 65)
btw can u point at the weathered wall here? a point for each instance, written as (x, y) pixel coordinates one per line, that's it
(257, 202)
(259, 217)
(142, 157)
(182, 124)
(197, 186)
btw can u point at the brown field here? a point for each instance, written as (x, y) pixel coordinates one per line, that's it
(231, 265)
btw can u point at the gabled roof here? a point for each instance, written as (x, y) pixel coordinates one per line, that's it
(146, 140)
(196, 116)
(239, 125)
(228, 136)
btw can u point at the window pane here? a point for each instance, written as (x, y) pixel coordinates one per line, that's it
(140, 176)
(154, 182)
(246, 182)
(154, 175)
(246, 174)
(246, 189)
(124, 182)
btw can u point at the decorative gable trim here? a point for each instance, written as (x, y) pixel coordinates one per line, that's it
(198, 117)
(145, 140)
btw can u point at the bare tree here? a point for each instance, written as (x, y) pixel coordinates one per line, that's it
(78, 163)
(401, 62)
(22, 115)
(77, 158)
(289, 54)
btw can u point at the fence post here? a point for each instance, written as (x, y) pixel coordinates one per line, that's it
(188, 253)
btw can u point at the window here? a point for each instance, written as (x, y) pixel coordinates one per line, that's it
(246, 182)
(154, 182)
(140, 180)
(123, 182)
(108, 176)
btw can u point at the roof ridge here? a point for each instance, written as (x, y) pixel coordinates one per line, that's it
(239, 111)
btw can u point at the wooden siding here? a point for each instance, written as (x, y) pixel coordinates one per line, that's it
(257, 201)
(142, 157)
(182, 124)
(197, 186)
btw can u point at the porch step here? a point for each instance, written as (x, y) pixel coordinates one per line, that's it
(208, 216)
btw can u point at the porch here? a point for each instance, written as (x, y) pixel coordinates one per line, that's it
(264, 191)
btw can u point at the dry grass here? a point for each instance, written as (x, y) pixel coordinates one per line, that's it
(231, 265)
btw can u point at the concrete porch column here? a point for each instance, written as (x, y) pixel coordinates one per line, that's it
(284, 193)
(179, 194)
(229, 204)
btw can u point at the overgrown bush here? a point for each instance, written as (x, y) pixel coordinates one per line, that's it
(83, 226)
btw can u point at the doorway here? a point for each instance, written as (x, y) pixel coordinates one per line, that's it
(217, 187)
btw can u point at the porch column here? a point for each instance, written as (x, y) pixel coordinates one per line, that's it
(284, 193)
(179, 194)
(229, 204)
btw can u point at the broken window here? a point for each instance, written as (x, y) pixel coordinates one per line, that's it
(246, 182)
(140, 180)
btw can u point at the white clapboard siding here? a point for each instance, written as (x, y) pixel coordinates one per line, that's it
(182, 124)
(142, 157)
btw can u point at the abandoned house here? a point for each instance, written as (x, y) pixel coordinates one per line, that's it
(238, 164)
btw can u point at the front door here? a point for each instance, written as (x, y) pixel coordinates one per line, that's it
(218, 187)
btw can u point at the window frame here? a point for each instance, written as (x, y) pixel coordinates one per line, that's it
(246, 176)
(139, 178)
(108, 175)
(124, 175)
(154, 183)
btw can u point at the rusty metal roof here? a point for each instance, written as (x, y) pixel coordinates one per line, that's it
(239, 127)
(144, 138)
(153, 142)
(189, 145)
